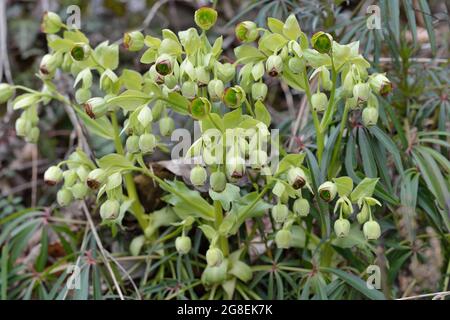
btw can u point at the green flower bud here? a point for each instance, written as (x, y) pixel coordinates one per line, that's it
(166, 126)
(258, 158)
(296, 65)
(234, 97)
(202, 75)
(155, 76)
(95, 107)
(352, 103)
(53, 175)
(214, 257)
(301, 207)
(133, 41)
(70, 177)
(361, 92)
(328, 191)
(225, 72)
(371, 230)
(145, 116)
(218, 181)
(110, 209)
(189, 89)
(96, 178)
(157, 110)
(246, 31)
(296, 177)
(66, 65)
(82, 173)
(171, 81)
(136, 245)
(205, 17)
(215, 89)
(235, 167)
(274, 65)
(319, 101)
(114, 181)
(380, 84)
(6, 92)
(109, 82)
(198, 176)
(259, 91)
(322, 42)
(348, 84)
(80, 52)
(64, 197)
(200, 108)
(82, 95)
(283, 239)
(164, 64)
(183, 244)
(51, 23)
(280, 213)
(23, 127)
(48, 66)
(33, 135)
(369, 116)
(132, 144)
(215, 275)
(79, 190)
(147, 143)
(342, 228)
(363, 215)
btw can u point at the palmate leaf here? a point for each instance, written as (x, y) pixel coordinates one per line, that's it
(186, 201)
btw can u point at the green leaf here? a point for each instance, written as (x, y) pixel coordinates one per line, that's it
(25, 100)
(130, 99)
(364, 189)
(291, 28)
(427, 17)
(62, 45)
(131, 79)
(101, 126)
(187, 202)
(344, 185)
(275, 25)
(208, 231)
(149, 56)
(262, 114)
(272, 42)
(41, 261)
(357, 283)
(115, 162)
(246, 54)
(227, 196)
(232, 119)
(290, 160)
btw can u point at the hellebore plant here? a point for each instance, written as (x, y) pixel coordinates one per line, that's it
(234, 159)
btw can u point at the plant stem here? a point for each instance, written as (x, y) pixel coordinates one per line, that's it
(219, 218)
(136, 207)
(339, 138)
(319, 135)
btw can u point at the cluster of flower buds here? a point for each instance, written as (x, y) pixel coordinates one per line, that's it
(342, 187)
(229, 155)
(77, 178)
(290, 185)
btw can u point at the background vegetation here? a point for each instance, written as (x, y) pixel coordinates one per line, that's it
(409, 150)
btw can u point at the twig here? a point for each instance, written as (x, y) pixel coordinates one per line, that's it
(102, 249)
(435, 294)
(126, 274)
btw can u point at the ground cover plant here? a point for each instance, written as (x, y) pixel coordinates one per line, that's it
(242, 211)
